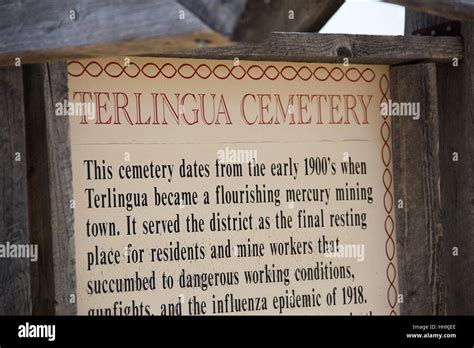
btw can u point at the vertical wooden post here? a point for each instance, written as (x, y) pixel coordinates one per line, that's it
(14, 272)
(50, 189)
(416, 171)
(455, 90)
(456, 105)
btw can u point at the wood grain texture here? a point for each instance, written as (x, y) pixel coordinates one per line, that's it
(455, 90)
(14, 272)
(333, 48)
(418, 20)
(416, 178)
(254, 20)
(220, 15)
(453, 9)
(154, 28)
(50, 189)
(36, 31)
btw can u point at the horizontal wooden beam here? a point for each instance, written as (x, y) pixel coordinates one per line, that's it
(333, 48)
(305, 47)
(254, 20)
(453, 9)
(36, 31)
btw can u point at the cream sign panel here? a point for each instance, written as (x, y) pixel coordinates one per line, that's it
(213, 187)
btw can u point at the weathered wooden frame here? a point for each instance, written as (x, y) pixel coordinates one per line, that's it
(49, 168)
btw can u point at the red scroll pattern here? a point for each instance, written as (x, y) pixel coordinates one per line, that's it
(388, 202)
(220, 71)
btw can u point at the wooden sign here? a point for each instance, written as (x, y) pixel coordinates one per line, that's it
(231, 187)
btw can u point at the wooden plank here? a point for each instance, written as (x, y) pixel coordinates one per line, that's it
(416, 178)
(254, 20)
(36, 31)
(333, 48)
(313, 47)
(453, 9)
(455, 91)
(50, 189)
(455, 88)
(14, 272)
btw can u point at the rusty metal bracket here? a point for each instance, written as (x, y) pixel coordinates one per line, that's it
(452, 28)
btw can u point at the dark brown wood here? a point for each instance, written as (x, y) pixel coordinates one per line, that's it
(419, 20)
(333, 48)
(14, 272)
(36, 31)
(416, 178)
(50, 189)
(455, 89)
(453, 9)
(254, 20)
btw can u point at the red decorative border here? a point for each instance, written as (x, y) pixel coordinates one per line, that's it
(220, 71)
(387, 179)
